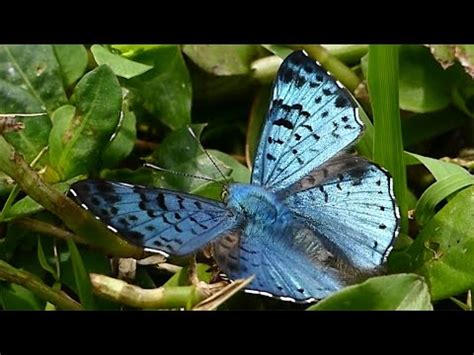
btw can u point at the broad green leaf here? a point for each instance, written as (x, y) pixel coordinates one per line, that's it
(239, 173)
(393, 292)
(444, 250)
(27, 205)
(424, 85)
(223, 60)
(122, 67)
(81, 275)
(35, 70)
(123, 140)
(80, 133)
(16, 297)
(72, 61)
(165, 91)
(180, 152)
(181, 278)
(437, 192)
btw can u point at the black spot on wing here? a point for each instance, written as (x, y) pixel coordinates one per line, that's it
(160, 199)
(270, 157)
(341, 102)
(283, 123)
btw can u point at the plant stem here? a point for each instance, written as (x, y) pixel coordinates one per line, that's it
(35, 285)
(48, 229)
(168, 297)
(333, 65)
(76, 218)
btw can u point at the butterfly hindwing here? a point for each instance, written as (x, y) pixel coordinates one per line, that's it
(350, 205)
(168, 221)
(311, 118)
(282, 267)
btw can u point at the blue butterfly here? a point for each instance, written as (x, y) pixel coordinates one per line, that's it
(313, 219)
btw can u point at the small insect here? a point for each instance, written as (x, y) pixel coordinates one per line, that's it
(313, 218)
(10, 123)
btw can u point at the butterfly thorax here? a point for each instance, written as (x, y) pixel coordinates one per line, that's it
(262, 207)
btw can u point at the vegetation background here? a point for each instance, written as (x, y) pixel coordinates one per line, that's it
(108, 108)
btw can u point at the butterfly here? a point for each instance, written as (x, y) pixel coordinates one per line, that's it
(313, 218)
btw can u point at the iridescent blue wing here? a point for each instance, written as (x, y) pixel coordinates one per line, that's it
(349, 204)
(171, 222)
(311, 118)
(293, 269)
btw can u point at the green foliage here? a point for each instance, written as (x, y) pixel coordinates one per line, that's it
(109, 108)
(393, 292)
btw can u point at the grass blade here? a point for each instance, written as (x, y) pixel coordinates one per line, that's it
(388, 140)
(81, 275)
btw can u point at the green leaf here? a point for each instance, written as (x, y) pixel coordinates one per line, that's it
(35, 71)
(165, 91)
(44, 262)
(223, 60)
(180, 152)
(348, 53)
(437, 192)
(72, 61)
(279, 50)
(16, 297)
(79, 134)
(27, 205)
(122, 67)
(181, 278)
(393, 292)
(463, 92)
(424, 85)
(130, 50)
(123, 140)
(258, 114)
(440, 169)
(239, 173)
(81, 275)
(423, 126)
(388, 140)
(444, 250)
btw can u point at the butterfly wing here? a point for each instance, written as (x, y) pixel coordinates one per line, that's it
(311, 118)
(168, 221)
(349, 204)
(300, 270)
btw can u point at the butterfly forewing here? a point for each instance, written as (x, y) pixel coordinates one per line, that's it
(171, 222)
(311, 119)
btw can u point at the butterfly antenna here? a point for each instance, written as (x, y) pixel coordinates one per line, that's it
(191, 132)
(178, 173)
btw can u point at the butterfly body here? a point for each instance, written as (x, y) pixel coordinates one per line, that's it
(313, 218)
